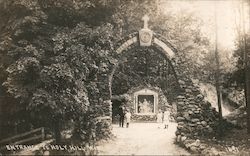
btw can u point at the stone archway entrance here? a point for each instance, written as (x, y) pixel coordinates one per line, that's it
(195, 116)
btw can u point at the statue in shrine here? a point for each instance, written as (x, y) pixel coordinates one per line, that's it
(140, 108)
(151, 106)
(145, 107)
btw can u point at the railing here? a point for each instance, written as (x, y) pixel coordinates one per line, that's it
(23, 138)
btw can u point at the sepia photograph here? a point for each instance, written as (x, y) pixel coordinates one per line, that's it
(124, 77)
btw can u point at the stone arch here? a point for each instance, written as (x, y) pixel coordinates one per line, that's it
(195, 116)
(159, 42)
(167, 48)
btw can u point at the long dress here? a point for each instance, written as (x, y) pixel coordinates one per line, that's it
(127, 117)
(166, 117)
(159, 117)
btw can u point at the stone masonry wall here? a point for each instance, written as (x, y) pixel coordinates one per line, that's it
(162, 103)
(195, 117)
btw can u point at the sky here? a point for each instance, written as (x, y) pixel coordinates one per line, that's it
(228, 17)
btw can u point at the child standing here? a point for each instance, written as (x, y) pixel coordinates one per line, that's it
(159, 118)
(127, 118)
(166, 118)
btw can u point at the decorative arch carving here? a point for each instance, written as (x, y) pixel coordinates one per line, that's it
(169, 51)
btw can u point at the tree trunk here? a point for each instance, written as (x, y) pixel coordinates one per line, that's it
(247, 69)
(247, 96)
(248, 82)
(217, 77)
(57, 131)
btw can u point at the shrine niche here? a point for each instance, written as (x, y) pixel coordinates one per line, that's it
(145, 101)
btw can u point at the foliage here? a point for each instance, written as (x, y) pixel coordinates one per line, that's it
(143, 67)
(182, 29)
(237, 76)
(226, 66)
(85, 125)
(51, 63)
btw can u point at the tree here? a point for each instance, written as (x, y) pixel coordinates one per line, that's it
(51, 58)
(182, 29)
(217, 74)
(241, 74)
(247, 74)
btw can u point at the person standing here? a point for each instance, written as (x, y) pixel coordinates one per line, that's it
(166, 118)
(127, 118)
(159, 118)
(121, 115)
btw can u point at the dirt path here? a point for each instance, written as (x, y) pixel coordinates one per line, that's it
(142, 139)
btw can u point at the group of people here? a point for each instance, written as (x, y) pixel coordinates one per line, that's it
(124, 116)
(163, 118)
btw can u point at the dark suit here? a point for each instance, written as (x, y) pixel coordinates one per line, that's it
(121, 114)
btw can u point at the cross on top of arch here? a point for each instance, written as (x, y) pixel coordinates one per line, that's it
(145, 18)
(145, 38)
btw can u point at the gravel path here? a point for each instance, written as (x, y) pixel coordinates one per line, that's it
(142, 139)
